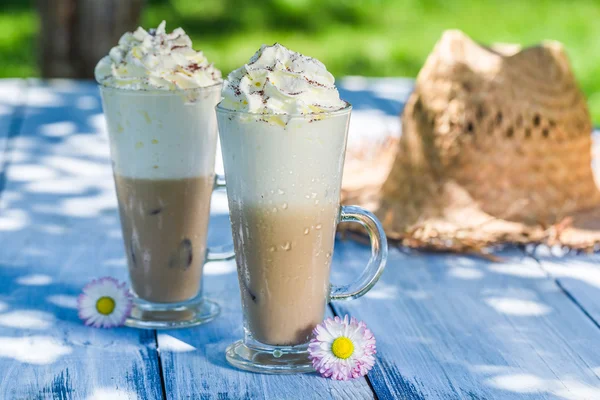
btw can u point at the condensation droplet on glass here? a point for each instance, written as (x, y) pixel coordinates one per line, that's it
(318, 226)
(328, 254)
(284, 206)
(272, 249)
(306, 231)
(316, 202)
(274, 209)
(312, 180)
(313, 195)
(272, 191)
(280, 191)
(307, 196)
(286, 246)
(291, 172)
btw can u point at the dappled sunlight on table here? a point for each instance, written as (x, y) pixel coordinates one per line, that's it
(35, 280)
(517, 307)
(219, 268)
(170, 343)
(120, 262)
(112, 394)
(382, 291)
(63, 300)
(33, 349)
(465, 273)
(517, 270)
(27, 319)
(58, 129)
(527, 383)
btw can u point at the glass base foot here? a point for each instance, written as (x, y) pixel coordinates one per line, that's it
(164, 316)
(269, 360)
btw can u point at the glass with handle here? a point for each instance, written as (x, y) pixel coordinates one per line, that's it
(284, 175)
(163, 146)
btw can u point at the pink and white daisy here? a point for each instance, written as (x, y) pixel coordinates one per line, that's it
(342, 349)
(104, 303)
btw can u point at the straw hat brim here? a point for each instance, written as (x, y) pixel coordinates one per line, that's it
(459, 225)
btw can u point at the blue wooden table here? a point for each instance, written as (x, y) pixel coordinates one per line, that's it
(447, 326)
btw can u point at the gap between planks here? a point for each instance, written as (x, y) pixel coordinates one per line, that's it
(571, 296)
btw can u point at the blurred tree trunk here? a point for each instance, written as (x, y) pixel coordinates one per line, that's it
(75, 34)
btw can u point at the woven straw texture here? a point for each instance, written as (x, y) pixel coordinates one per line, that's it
(495, 148)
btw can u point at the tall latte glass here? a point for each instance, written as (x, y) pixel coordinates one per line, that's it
(284, 175)
(162, 144)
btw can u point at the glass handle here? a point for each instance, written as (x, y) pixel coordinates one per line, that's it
(224, 252)
(379, 254)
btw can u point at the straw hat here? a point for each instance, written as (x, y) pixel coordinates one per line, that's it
(495, 147)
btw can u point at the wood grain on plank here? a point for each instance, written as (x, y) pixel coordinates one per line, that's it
(451, 326)
(59, 229)
(193, 360)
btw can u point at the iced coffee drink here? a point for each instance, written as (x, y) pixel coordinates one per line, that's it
(159, 97)
(283, 131)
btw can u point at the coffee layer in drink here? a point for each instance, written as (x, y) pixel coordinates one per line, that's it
(284, 257)
(165, 225)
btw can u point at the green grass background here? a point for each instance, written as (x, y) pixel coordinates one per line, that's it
(352, 37)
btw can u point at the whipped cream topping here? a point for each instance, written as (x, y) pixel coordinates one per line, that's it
(155, 59)
(277, 80)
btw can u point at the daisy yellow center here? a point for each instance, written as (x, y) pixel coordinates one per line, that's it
(105, 305)
(342, 347)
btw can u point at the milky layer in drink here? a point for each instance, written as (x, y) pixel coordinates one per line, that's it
(159, 96)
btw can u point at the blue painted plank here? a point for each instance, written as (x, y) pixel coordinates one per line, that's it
(451, 326)
(12, 98)
(58, 229)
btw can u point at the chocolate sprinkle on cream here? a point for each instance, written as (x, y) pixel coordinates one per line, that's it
(155, 59)
(279, 82)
